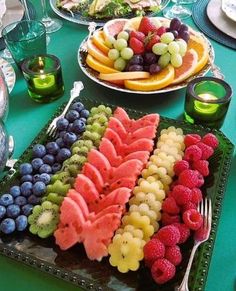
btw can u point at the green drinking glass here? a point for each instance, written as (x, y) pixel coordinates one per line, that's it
(207, 101)
(24, 39)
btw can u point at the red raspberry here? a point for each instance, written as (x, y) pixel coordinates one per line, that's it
(153, 250)
(193, 219)
(170, 206)
(187, 206)
(181, 194)
(191, 179)
(167, 219)
(202, 166)
(211, 140)
(180, 166)
(207, 151)
(172, 185)
(184, 232)
(169, 235)
(193, 153)
(196, 196)
(173, 254)
(162, 271)
(191, 139)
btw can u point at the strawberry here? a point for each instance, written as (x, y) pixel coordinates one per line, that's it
(136, 45)
(151, 41)
(146, 26)
(161, 30)
(137, 34)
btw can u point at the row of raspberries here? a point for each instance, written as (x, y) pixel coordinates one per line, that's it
(179, 210)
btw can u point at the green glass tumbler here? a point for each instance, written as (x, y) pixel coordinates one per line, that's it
(24, 39)
(44, 77)
(207, 101)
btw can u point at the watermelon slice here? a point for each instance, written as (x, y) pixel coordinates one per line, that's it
(86, 188)
(118, 127)
(143, 156)
(142, 144)
(115, 140)
(145, 132)
(108, 150)
(109, 209)
(99, 161)
(94, 175)
(146, 120)
(66, 236)
(119, 196)
(128, 182)
(121, 114)
(79, 200)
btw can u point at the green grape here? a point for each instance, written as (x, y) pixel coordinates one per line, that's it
(120, 64)
(164, 60)
(89, 127)
(120, 44)
(109, 41)
(176, 60)
(102, 119)
(173, 47)
(127, 53)
(160, 48)
(123, 34)
(167, 37)
(96, 127)
(95, 136)
(94, 110)
(108, 111)
(87, 134)
(182, 47)
(88, 144)
(113, 54)
(101, 108)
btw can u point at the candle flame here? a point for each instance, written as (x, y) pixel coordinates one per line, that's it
(41, 63)
(207, 97)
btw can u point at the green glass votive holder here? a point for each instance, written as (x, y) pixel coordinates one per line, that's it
(44, 78)
(207, 101)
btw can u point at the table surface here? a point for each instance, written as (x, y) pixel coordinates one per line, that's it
(27, 118)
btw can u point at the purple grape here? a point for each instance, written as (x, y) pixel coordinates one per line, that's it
(182, 28)
(135, 68)
(154, 68)
(136, 60)
(150, 58)
(175, 24)
(185, 36)
(146, 68)
(175, 33)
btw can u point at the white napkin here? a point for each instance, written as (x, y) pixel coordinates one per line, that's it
(3, 9)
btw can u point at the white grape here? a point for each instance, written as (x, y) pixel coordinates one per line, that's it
(182, 47)
(123, 34)
(120, 64)
(160, 48)
(109, 41)
(173, 47)
(164, 60)
(120, 44)
(176, 60)
(127, 53)
(167, 37)
(113, 54)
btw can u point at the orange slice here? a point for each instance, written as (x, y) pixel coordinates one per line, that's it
(98, 40)
(98, 54)
(97, 66)
(124, 76)
(155, 82)
(190, 61)
(198, 43)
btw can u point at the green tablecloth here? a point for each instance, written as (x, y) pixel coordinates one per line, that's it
(26, 119)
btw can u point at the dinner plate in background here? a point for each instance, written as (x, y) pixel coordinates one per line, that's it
(9, 74)
(77, 17)
(219, 19)
(229, 8)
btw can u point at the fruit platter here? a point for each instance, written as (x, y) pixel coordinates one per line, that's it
(145, 55)
(110, 204)
(100, 11)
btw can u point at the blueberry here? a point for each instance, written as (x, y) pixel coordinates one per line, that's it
(39, 188)
(26, 178)
(45, 168)
(72, 115)
(21, 222)
(69, 138)
(49, 159)
(62, 133)
(33, 200)
(84, 113)
(36, 178)
(27, 209)
(56, 167)
(70, 127)
(7, 225)
(6, 199)
(78, 106)
(83, 119)
(26, 189)
(45, 178)
(39, 151)
(78, 126)
(20, 200)
(63, 155)
(52, 148)
(60, 142)
(15, 191)
(13, 210)
(36, 163)
(62, 124)
(25, 169)
(2, 211)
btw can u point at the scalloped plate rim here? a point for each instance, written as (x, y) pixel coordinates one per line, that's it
(7, 66)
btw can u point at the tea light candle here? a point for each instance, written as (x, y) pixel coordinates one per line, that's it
(44, 77)
(207, 100)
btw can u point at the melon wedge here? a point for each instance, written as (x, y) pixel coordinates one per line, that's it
(124, 76)
(98, 40)
(98, 66)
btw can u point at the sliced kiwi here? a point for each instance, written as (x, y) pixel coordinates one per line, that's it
(54, 198)
(58, 187)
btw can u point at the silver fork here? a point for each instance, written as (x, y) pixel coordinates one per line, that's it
(74, 93)
(200, 236)
(91, 29)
